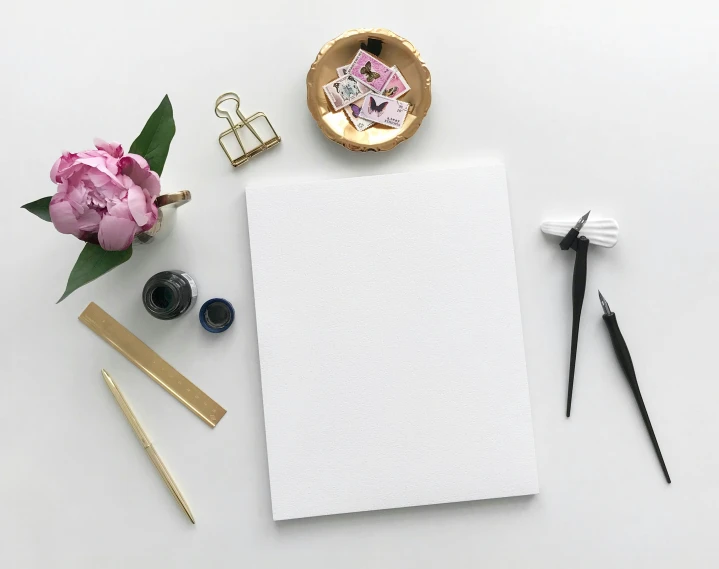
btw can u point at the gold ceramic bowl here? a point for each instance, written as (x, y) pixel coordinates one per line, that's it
(395, 51)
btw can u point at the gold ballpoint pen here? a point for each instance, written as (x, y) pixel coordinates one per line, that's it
(147, 445)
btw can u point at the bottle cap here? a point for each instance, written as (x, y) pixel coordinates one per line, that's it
(216, 315)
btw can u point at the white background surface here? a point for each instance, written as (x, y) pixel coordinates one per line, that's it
(609, 105)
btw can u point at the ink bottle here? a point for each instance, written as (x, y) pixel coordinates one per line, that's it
(169, 294)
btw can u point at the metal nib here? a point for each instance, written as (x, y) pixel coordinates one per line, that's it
(582, 221)
(605, 304)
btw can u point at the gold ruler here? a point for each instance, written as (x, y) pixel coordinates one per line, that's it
(153, 365)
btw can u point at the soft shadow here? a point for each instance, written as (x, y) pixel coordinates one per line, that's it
(395, 515)
(251, 315)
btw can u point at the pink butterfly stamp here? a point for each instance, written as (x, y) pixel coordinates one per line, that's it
(370, 71)
(382, 110)
(396, 85)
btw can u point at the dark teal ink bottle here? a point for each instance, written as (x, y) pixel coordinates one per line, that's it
(169, 294)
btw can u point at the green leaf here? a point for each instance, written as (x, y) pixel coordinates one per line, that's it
(153, 144)
(40, 207)
(92, 263)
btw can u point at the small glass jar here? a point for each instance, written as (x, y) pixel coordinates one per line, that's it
(169, 294)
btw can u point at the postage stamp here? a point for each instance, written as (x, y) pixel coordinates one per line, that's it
(353, 114)
(389, 112)
(343, 91)
(342, 71)
(396, 85)
(369, 70)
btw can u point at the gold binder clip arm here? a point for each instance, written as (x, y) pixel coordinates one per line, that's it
(242, 122)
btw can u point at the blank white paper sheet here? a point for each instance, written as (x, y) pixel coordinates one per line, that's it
(390, 340)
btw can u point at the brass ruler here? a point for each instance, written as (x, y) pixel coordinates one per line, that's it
(153, 365)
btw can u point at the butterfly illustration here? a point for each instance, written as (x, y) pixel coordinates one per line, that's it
(348, 90)
(355, 110)
(375, 108)
(368, 73)
(389, 92)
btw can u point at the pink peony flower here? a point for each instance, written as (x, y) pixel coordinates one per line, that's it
(104, 196)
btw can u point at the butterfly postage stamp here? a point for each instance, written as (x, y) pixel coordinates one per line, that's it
(389, 112)
(396, 85)
(353, 114)
(369, 70)
(343, 91)
(342, 71)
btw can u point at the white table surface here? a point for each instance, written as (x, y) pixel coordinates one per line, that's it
(612, 106)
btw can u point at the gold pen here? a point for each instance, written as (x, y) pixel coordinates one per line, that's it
(147, 445)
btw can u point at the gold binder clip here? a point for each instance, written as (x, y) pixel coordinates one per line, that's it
(249, 141)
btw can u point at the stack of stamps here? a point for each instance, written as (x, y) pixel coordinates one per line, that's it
(368, 91)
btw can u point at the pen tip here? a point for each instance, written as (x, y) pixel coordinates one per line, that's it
(604, 303)
(108, 379)
(582, 221)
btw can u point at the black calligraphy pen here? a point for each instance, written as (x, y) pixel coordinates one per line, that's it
(580, 244)
(625, 361)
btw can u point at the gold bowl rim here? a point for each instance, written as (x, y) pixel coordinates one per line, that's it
(419, 111)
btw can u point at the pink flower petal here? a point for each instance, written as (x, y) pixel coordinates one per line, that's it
(133, 160)
(116, 233)
(97, 178)
(114, 149)
(96, 161)
(111, 164)
(54, 170)
(120, 209)
(138, 205)
(151, 216)
(64, 167)
(152, 184)
(92, 153)
(89, 221)
(63, 216)
(77, 196)
(137, 169)
(100, 163)
(62, 188)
